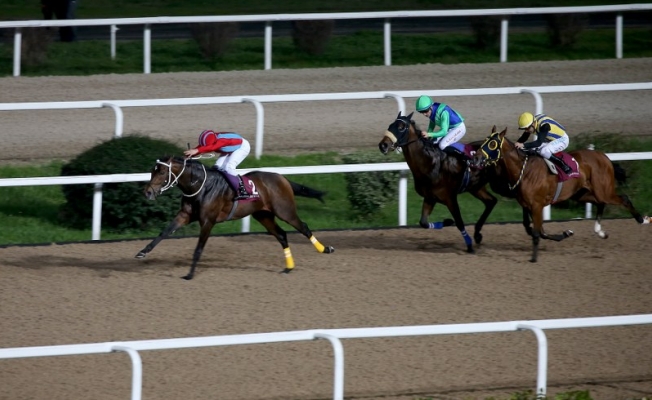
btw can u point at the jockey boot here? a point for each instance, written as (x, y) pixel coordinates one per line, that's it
(242, 192)
(567, 170)
(453, 151)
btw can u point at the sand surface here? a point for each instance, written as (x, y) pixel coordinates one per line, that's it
(88, 293)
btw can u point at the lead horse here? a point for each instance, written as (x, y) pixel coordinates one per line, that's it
(208, 198)
(535, 186)
(439, 178)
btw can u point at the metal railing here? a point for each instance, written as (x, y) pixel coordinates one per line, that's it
(334, 336)
(268, 19)
(99, 180)
(258, 100)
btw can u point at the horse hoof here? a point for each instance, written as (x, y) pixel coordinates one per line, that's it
(141, 254)
(329, 249)
(187, 277)
(568, 233)
(603, 235)
(287, 271)
(478, 238)
(533, 260)
(448, 222)
(470, 250)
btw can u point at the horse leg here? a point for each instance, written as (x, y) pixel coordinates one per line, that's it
(454, 208)
(180, 220)
(293, 220)
(204, 233)
(537, 227)
(597, 228)
(489, 202)
(527, 223)
(266, 219)
(426, 209)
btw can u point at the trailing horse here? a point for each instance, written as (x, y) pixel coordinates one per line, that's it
(531, 179)
(208, 198)
(439, 178)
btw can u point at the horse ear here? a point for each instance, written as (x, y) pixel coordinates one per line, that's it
(410, 116)
(493, 130)
(502, 134)
(399, 115)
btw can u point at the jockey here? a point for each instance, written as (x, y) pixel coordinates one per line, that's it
(232, 149)
(450, 123)
(551, 137)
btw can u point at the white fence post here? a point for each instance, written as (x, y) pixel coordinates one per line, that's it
(338, 367)
(97, 212)
(542, 357)
(619, 35)
(260, 123)
(119, 118)
(18, 39)
(114, 29)
(402, 198)
(504, 25)
(147, 49)
(268, 45)
(136, 371)
(387, 41)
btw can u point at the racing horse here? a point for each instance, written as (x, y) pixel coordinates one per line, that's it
(535, 185)
(438, 178)
(208, 199)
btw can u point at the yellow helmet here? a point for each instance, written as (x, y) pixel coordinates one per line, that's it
(525, 120)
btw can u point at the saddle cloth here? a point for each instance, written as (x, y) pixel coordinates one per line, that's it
(570, 161)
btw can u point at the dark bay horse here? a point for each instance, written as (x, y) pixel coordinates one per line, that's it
(208, 198)
(438, 178)
(535, 186)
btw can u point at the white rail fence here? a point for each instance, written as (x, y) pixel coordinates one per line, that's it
(258, 100)
(268, 19)
(100, 180)
(335, 337)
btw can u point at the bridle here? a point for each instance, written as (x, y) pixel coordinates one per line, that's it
(496, 146)
(395, 144)
(170, 183)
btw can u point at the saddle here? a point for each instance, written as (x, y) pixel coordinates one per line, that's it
(570, 161)
(234, 181)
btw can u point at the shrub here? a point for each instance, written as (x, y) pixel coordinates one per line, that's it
(368, 192)
(563, 29)
(124, 206)
(214, 38)
(312, 36)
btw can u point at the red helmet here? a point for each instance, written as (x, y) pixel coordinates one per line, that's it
(207, 137)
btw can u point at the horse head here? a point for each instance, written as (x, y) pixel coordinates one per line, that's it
(491, 150)
(166, 174)
(397, 134)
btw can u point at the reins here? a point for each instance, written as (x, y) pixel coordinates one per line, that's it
(520, 177)
(173, 182)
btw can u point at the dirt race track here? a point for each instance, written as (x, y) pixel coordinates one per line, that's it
(88, 293)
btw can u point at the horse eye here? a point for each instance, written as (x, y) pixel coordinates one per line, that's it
(493, 145)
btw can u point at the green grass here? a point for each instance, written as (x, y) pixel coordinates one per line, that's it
(32, 211)
(364, 48)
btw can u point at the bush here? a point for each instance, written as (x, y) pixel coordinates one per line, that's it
(124, 206)
(214, 38)
(312, 36)
(368, 192)
(563, 29)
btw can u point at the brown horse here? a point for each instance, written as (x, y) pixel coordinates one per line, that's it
(438, 178)
(208, 198)
(535, 186)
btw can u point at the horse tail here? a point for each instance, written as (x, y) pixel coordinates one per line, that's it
(305, 191)
(619, 173)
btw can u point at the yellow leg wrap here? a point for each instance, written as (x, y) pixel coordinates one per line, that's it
(289, 260)
(318, 246)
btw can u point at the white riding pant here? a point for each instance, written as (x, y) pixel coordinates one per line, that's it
(550, 148)
(229, 162)
(454, 135)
